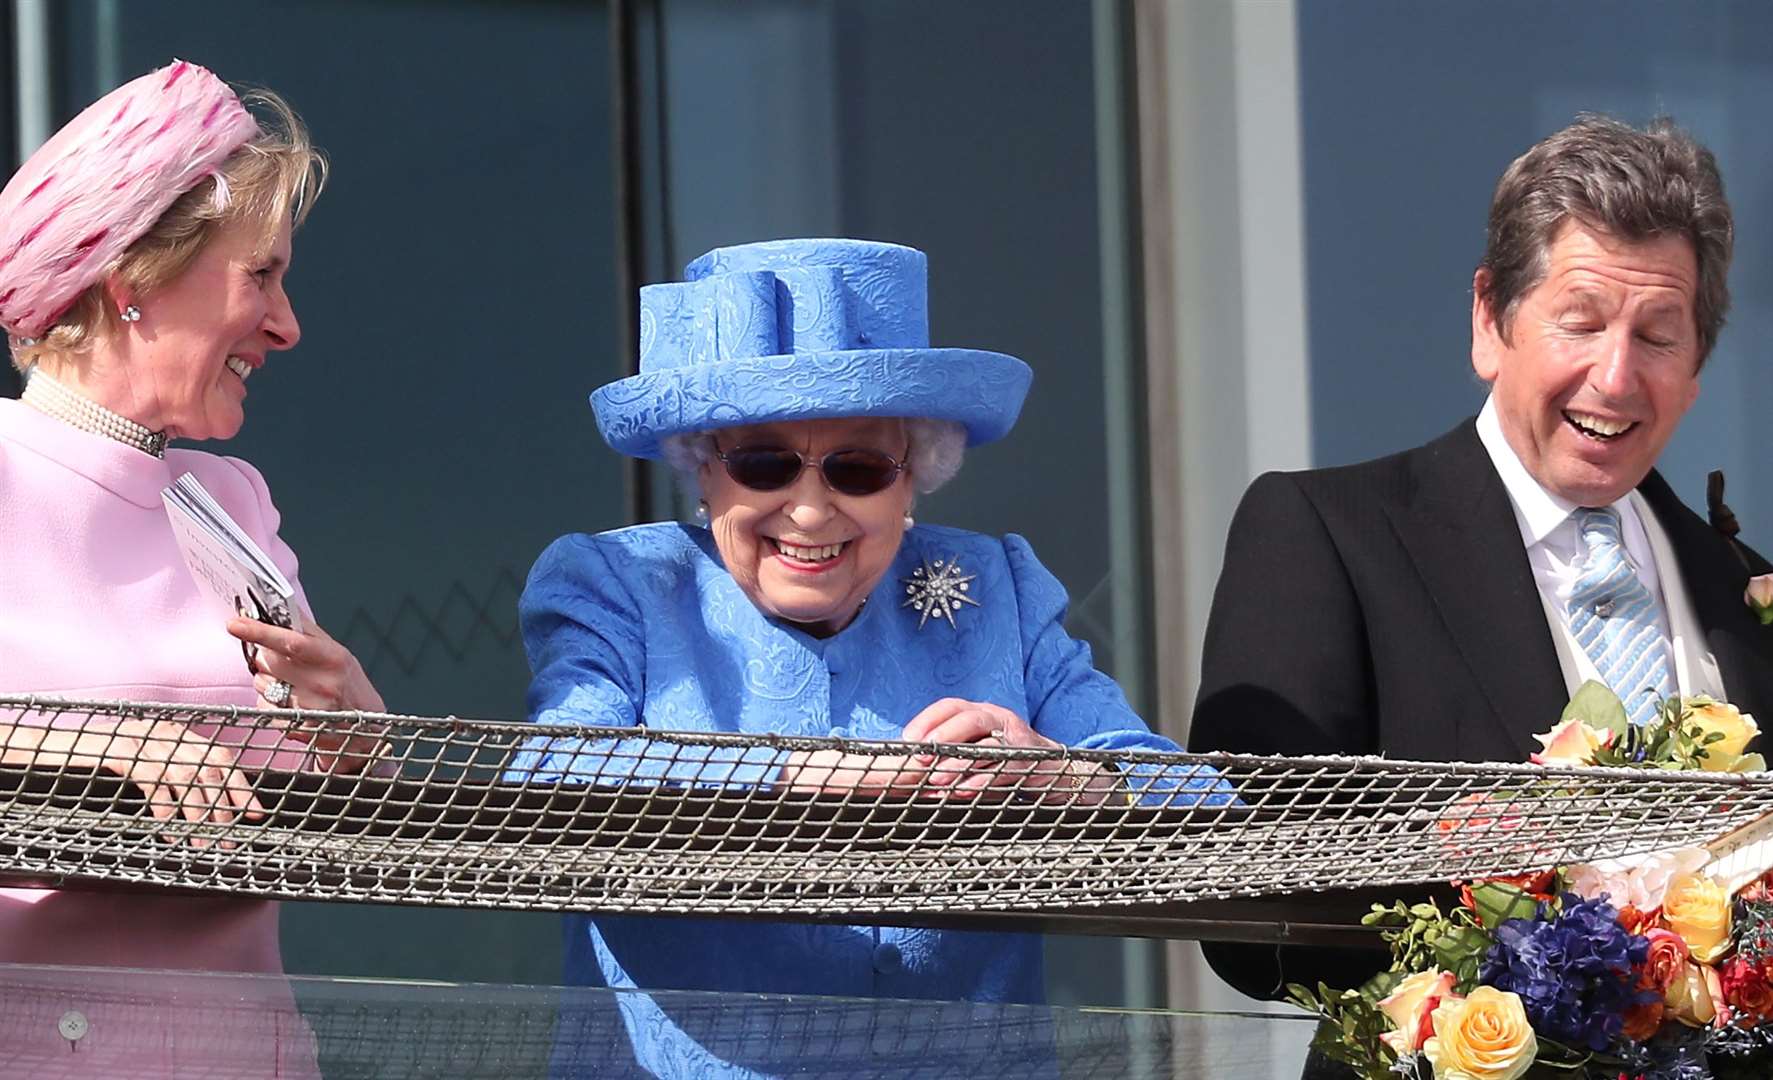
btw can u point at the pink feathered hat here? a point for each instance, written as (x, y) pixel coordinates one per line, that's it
(103, 180)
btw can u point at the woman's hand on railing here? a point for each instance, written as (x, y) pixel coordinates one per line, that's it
(954, 720)
(182, 773)
(980, 723)
(835, 772)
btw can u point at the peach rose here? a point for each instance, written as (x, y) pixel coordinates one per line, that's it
(1760, 592)
(1572, 742)
(1635, 881)
(1716, 717)
(1409, 1007)
(1698, 909)
(1481, 1037)
(1693, 998)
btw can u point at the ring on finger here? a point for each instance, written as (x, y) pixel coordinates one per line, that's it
(278, 693)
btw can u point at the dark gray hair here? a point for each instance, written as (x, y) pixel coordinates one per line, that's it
(934, 456)
(1614, 179)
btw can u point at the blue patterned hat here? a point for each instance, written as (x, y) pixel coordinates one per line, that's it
(798, 330)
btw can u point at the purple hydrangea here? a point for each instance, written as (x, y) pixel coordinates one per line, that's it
(1574, 971)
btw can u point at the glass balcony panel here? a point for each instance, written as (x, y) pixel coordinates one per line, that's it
(64, 1021)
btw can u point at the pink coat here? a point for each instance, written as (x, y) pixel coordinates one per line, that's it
(96, 602)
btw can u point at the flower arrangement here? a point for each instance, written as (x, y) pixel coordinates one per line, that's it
(1643, 968)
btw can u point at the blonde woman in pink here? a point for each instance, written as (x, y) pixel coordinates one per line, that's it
(143, 253)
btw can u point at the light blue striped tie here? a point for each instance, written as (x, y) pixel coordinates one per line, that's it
(1615, 619)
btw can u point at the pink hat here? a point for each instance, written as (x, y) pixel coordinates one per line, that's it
(103, 180)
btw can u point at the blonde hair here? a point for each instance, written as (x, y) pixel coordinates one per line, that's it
(272, 178)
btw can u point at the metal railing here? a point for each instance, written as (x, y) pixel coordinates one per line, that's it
(427, 811)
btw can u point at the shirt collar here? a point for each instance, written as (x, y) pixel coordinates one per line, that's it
(1537, 510)
(120, 469)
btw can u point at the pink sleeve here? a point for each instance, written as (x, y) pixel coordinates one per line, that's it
(264, 530)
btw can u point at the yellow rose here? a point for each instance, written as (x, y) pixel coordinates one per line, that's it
(1572, 742)
(1481, 1037)
(1717, 717)
(1698, 909)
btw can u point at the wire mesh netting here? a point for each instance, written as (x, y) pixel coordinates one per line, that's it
(412, 810)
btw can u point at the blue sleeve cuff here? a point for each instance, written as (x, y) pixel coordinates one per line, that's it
(623, 761)
(1178, 786)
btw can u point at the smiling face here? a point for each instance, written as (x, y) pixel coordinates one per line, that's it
(1602, 365)
(202, 335)
(806, 553)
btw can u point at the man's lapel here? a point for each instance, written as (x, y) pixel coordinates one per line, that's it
(1460, 530)
(1715, 579)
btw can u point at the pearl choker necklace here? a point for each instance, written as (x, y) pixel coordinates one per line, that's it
(53, 399)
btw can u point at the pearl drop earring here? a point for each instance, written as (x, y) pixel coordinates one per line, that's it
(702, 512)
(909, 521)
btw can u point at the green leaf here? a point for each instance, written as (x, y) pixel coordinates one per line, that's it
(1498, 902)
(1598, 707)
(1299, 995)
(1459, 945)
(1380, 986)
(1385, 916)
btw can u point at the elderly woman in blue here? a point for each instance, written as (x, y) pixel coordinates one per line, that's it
(794, 384)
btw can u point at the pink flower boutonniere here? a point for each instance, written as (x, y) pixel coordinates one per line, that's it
(1760, 597)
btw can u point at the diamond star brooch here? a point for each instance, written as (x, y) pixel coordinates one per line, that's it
(938, 588)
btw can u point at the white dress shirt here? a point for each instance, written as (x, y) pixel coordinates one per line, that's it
(1557, 556)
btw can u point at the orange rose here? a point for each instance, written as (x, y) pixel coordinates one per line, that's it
(1643, 1021)
(1538, 886)
(1635, 921)
(1473, 812)
(1665, 962)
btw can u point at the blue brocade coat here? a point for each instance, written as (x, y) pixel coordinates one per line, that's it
(644, 627)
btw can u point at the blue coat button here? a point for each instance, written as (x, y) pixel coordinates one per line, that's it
(887, 959)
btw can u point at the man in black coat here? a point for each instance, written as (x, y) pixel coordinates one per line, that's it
(1441, 604)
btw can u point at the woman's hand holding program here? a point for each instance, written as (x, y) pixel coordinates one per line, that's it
(320, 674)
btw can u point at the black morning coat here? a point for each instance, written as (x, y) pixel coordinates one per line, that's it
(1388, 608)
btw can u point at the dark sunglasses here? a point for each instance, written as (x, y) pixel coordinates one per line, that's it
(849, 472)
